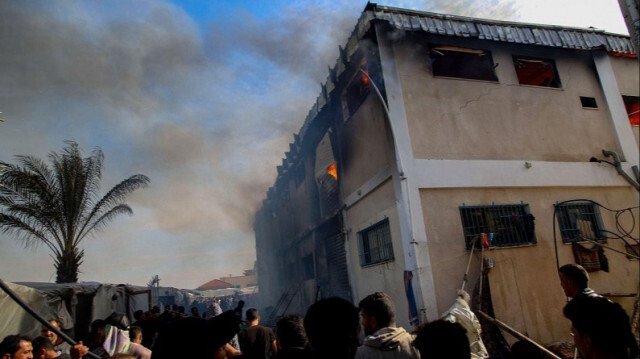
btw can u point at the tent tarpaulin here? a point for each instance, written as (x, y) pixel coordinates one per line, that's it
(15, 319)
(73, 304)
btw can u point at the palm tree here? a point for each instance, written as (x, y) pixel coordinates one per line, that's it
(60, 205)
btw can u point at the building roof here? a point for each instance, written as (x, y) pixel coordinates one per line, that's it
(242, 281)
(460, 26)
(503, 31)
(215, 284)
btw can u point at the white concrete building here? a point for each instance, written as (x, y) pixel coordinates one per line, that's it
(433, 130)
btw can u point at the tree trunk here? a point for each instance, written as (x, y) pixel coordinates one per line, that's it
(67, 266)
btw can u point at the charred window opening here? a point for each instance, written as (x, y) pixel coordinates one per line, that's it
(326, 176)
(498, 225)
(356, 91)
(632, 104)
(375, 244)
(588, 102)
(308, 268)
(579, 221)
(536, 72)
(458, 62)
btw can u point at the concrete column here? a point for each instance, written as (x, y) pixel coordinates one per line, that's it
(617, 112)
(414, 239)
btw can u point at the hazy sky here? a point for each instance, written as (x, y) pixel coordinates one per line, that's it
(201, 96)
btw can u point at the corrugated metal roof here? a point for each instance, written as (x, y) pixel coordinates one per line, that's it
(504, 31)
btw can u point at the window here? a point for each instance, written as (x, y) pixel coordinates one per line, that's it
(579, 221)
(588, 102)
(632, 104)
(356, 91)
(505, 225)
(449, 61)
(536, 72)
(309, 269)
(375, 244)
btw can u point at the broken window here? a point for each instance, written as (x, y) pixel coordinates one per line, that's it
(375, 244)
(498, 225)
(579, 221)
(536, 72)
(356, 91)
(632, 104)
(450, 61)
(326, 174)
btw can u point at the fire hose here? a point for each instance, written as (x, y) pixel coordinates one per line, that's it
(39, 318)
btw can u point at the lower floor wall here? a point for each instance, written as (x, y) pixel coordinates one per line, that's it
(524, 283)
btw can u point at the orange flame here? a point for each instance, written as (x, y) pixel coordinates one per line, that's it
(331, 170)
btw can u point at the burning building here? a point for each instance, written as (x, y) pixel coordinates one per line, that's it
(435, 134)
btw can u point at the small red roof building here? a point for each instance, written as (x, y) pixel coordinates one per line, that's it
(215, 284)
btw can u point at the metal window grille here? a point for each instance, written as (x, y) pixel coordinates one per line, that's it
(505, 225)
(579, 221)
(375, 244)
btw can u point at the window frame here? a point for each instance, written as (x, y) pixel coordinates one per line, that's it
(498, 222)
(564, 218)
(360, 83)
(555, 83)
(632, 112)
(461, 54)
(383, 248)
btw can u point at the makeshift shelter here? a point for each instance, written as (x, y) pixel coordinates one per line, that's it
(74, 305)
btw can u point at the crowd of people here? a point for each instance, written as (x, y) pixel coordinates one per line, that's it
(331, 328)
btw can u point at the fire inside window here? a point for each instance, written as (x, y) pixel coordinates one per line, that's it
(458, 62)
(356, 91)
(332, 171)
(632, 104)
(536, 72)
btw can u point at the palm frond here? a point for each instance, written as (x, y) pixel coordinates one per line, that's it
(102, 221)
(26, 233)
(114, 197)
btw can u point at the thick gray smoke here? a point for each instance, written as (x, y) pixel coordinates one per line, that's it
(205, 109)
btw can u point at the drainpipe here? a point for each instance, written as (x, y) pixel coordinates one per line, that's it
(618, 166)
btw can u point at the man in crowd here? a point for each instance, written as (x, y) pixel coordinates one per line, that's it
(16, 347)
(257, 342)
(443, 339)
(332, 328)
(59, 345)
(43, 349)
(136, 348)
(383, 339)
(291, 339)
(601, 329)
(574, 280)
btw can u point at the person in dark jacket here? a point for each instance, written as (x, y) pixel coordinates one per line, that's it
(601, 329)
(256, 342)
(332, 328)
(291, 338)
(574, 280)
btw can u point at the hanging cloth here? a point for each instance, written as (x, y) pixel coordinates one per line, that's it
(592, 259)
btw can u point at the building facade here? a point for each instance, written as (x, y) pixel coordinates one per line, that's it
(435, 133)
